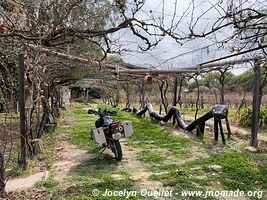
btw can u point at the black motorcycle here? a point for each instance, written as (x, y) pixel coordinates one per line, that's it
(107, 132)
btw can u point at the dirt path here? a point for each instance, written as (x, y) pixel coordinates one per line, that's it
(67, 156)
(138, 172)
(24, 183)
(70, 156)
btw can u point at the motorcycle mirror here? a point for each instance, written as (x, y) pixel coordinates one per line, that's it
(91, 111)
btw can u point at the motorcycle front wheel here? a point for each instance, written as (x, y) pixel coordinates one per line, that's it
(117, 149)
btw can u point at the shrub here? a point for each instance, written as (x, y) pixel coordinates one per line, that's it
(245, 117)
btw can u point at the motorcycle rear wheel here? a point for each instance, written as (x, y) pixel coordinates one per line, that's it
(117, 150)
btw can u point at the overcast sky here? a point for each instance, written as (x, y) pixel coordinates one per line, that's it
(168, 48)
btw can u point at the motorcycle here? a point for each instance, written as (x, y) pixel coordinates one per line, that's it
(108, 132)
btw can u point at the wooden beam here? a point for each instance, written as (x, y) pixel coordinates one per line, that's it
(175, 91)
(2, 175)
(256, 105)
(63, 55)
(174, 95)
(156, 71)
(235, 54)
(93, 63)
(230, 62)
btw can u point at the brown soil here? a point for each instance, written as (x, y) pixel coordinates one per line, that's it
(70, 156)
(24, 183)
(138, 172)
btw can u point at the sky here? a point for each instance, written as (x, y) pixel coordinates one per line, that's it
(167, 54)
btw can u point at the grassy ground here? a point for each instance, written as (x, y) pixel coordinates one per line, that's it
(94, 172)
(186, 164)
(177, 160)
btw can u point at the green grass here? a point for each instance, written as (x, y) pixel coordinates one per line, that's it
(78, 130)
(50, 183)
(96, 172)
(151, 156)
(180, 163)
(239, 170)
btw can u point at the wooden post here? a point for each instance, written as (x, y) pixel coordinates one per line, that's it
(117, 98)
(2, 175)
(117, 87)
(229, 133)
(216, 130)
(221, 130)
(256, 105)
(174, 96)
(175, 92)
(23, 137)
(127, 96)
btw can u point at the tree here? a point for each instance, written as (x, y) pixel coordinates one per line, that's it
(246, 19)
(211, 80)
(8, 96)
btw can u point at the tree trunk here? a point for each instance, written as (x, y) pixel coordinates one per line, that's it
(46, 112)
(221, 80)
(201, 101)
(163, 92)
(216, 98)
(128, 96)
(142, 95)
(37, 146)
(22, 115)
(242, 102)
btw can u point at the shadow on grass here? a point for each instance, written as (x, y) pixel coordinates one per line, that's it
(97, 163)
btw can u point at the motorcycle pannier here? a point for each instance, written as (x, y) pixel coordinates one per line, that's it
(98, 135)
(127, 128)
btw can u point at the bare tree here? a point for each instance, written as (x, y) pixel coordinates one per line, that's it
(163, 87)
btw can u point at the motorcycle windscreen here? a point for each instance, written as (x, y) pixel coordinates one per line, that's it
(99, 135)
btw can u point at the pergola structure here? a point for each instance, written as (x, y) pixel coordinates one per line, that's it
(128, 69)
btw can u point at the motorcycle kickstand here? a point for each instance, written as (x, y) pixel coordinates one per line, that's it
(103, 150)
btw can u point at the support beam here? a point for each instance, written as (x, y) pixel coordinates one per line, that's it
(23, 136)
(156, 71)
(235, 54)
(256, 105)
(63, 55)
(2, 175)
(174, 95)
(92, 63)
(175, 91)
(225, 63)
(221, 130)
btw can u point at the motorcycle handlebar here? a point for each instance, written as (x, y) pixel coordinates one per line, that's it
(99, 112)
(91, 111)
